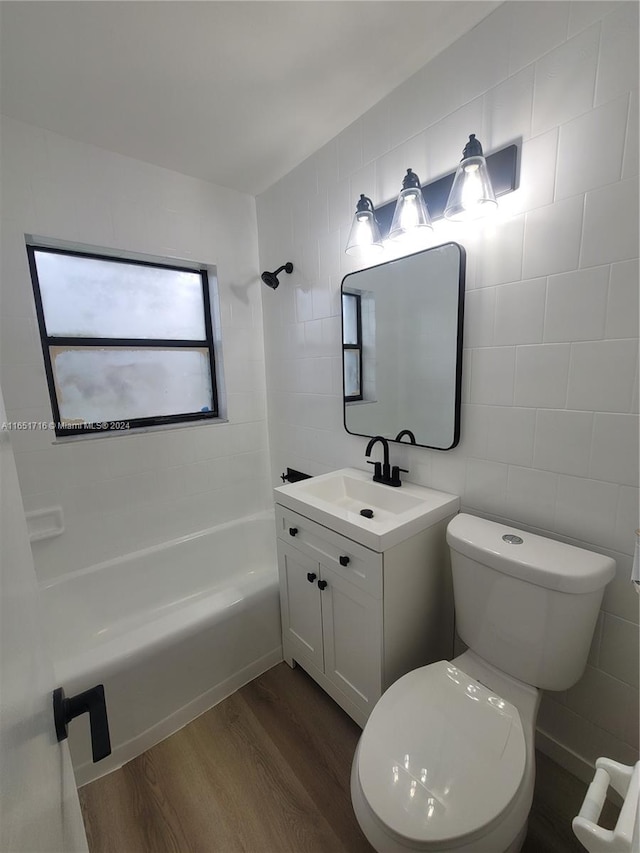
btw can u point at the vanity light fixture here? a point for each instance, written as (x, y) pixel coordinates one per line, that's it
(472, 195)
(467, 194)
(365, 231)
(411, 217)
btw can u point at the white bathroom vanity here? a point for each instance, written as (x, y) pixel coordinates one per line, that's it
(364, 598)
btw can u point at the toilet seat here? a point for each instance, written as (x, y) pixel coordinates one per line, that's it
(441, 756)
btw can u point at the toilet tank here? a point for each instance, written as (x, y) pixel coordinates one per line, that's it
(525, 603)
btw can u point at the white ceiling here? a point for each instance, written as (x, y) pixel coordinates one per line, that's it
(235, 92)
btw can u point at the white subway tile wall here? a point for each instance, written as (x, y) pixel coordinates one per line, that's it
(550, 383)
(122, 493)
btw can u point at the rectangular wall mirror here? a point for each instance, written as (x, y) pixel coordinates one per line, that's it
(402, 348)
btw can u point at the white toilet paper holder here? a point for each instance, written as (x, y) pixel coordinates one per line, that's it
(624, 838)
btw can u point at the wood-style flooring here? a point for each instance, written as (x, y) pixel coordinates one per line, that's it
(267, 771)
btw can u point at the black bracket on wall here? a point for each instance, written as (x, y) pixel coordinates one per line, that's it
(503, 169)
(90, 702)
(293, 476)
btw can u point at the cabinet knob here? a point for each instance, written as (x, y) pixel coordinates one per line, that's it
(311, 576)
(293, 531)
(344, 561)
(322, 584)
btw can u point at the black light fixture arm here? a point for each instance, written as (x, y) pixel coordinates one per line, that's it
(410, 180)
(473, 148)
(365, 204)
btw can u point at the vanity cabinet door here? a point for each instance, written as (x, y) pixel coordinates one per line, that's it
(352, 630)
(301, 604)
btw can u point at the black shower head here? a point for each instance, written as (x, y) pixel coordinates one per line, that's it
(271, 278)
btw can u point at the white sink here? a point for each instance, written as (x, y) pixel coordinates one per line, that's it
(335, 500)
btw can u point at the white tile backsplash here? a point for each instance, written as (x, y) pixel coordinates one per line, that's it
(618, 65)
(604, 701)
(627, 516)
(552, 238)
(610, 224)
(576, 305)
(437, 143)
(614, 451)
(492, 376)
(630, 164)
(591, 148)
(537, 174)
(583, 502)
(511, 434)
(519, 317)
(602, 375)
(542, 374)
(479, 317)
(619, 597)
(618, 636)
(507, 110)
(486, 486)
(563, 441)
(531, 496)
(565, 80)
(500, 260)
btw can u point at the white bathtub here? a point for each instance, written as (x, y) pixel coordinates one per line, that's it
(169, 631)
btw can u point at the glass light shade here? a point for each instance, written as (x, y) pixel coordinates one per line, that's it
(365, 233)
(411, 218)
(471, 195)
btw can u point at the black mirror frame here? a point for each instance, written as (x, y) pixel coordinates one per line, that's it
(459, 344)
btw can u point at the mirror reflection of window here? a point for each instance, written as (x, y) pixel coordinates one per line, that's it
(404, 320)
(352, 346)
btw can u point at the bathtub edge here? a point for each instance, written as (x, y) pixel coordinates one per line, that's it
(88, 772)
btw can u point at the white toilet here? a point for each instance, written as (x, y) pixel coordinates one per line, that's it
(446, 759)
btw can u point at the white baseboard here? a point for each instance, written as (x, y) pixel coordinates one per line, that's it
(129, 750)
(571, 761)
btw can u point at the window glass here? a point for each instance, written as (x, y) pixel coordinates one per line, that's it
(100, 298)
(350, 319)
(96, 385)
(124, 341)
(352, 373)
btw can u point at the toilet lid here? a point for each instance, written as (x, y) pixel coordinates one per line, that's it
(441, 755)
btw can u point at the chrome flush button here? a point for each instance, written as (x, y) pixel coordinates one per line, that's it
(512, 539)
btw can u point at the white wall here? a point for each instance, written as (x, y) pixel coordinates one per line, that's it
(549, 421)
(39, 806)
(121, 493)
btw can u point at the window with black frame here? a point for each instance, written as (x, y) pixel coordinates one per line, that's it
(126, 343)
(352, 346)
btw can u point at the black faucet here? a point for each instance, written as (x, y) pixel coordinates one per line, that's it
(382, 471)
(408, 433)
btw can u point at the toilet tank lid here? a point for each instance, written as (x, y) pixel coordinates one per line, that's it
(537, 560)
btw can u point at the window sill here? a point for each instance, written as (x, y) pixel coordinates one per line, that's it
(120, 433)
